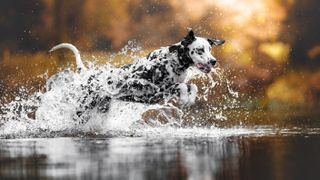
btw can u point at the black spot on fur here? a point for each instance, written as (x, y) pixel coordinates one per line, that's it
(174, 48)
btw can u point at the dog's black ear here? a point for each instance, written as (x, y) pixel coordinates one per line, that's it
(215, 42)
(190, 34)
(189, 38)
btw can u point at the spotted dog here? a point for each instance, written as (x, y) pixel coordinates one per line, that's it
(151, 79)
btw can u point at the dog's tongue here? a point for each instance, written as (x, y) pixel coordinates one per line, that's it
(200, 66)
(203, 68)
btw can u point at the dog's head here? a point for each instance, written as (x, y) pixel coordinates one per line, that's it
(199, 50)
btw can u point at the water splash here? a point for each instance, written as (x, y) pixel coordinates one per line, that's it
(51, 112)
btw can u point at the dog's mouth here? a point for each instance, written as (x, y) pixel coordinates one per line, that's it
(204, 68)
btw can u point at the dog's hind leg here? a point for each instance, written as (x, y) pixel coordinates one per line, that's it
(85, 110)
(104, 105)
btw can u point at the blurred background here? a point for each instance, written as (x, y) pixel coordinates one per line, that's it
(272, 49)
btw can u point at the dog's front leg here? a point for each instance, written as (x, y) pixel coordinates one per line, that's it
(186, 93)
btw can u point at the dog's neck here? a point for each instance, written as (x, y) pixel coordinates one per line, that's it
(184, 59)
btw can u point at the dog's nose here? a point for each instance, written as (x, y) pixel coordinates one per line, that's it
(212, 62)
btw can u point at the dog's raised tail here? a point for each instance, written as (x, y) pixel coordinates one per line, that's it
(80, 65)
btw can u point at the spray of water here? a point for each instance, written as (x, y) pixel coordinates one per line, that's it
(50, 112)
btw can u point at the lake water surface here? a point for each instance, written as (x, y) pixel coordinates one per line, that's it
(235, 153)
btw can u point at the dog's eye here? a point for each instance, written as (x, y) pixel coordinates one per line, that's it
(200, 50)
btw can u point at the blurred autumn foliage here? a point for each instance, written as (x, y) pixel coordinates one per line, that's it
(272, 50)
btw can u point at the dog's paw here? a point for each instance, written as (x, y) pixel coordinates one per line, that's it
(188, 94)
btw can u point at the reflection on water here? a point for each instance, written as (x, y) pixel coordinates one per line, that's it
(234, 157)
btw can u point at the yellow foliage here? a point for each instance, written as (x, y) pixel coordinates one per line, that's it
(245, 58)
(278, 51)
(227, 48)
(314, 52)
(289, 88)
